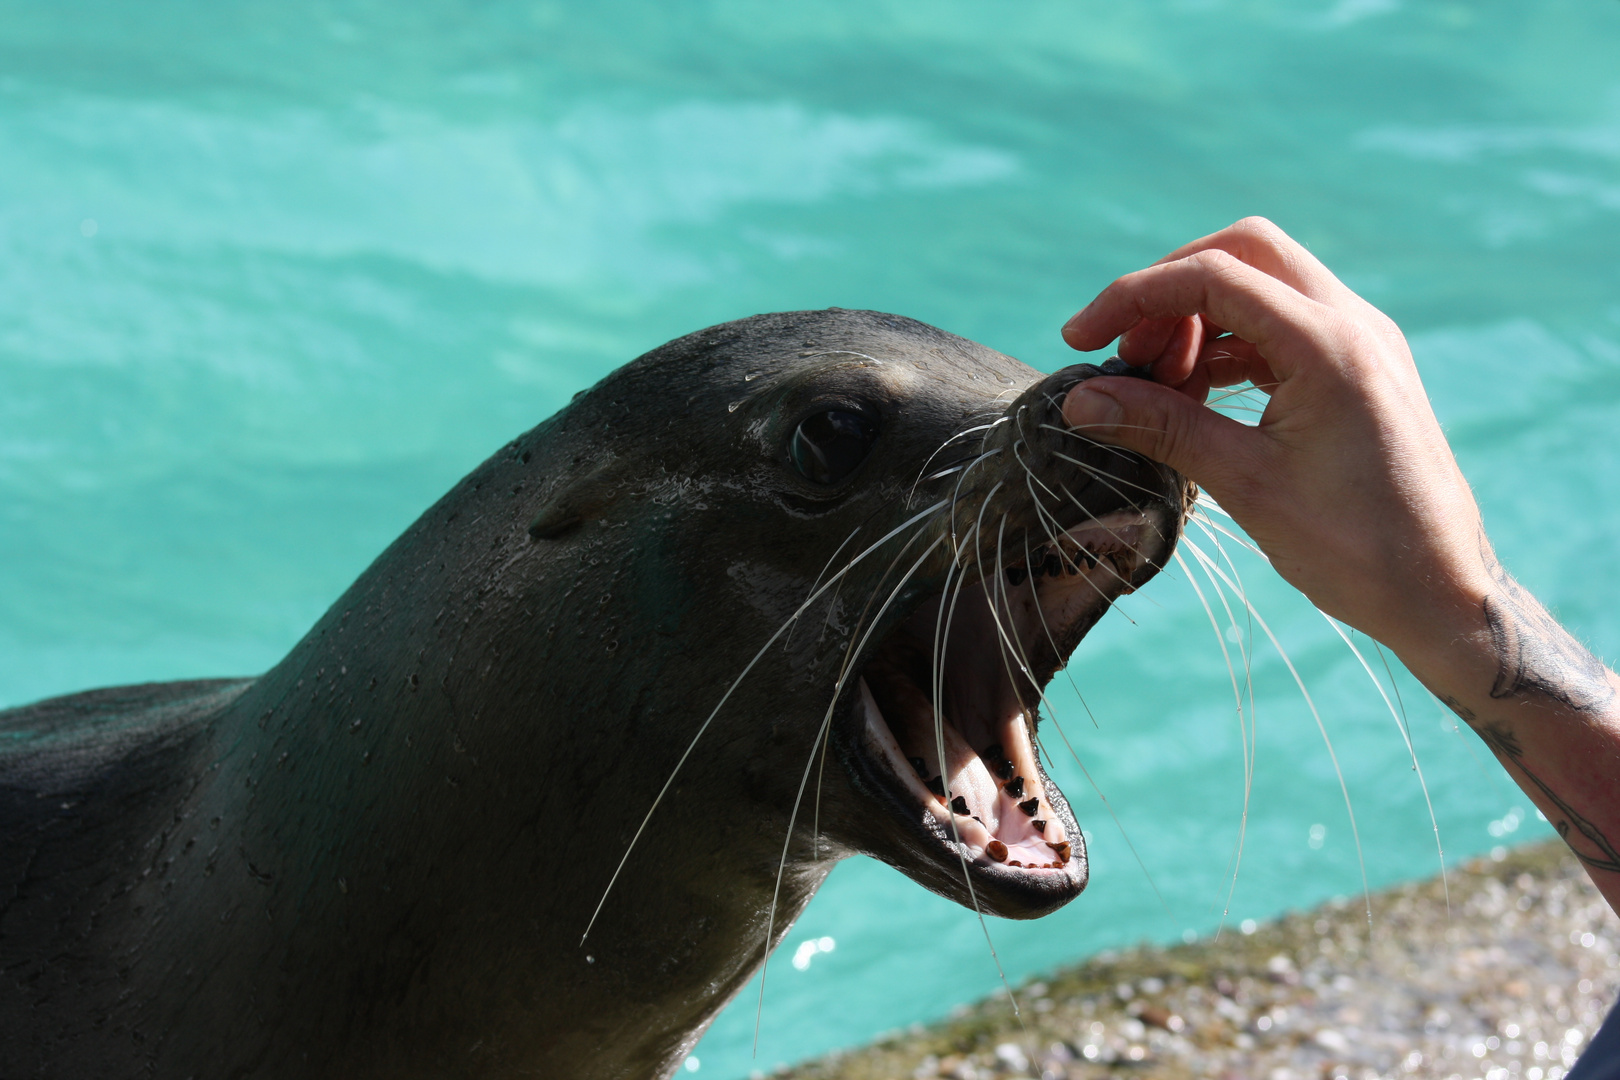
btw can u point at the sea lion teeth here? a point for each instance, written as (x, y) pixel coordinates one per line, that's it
(937, 786)
(959, 805)
(996, 850)
(1004, 769)
(1015, 787)
(1030, 806)
(1039, 825)
(1016, 575)
(1061, 847)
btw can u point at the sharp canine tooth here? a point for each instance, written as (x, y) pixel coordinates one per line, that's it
(1015, 787)
(1030, 807)
(1040, 826)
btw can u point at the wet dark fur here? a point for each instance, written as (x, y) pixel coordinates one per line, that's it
(377, 858)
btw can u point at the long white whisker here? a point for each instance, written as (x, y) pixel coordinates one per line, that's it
(956, 495)
(1344, 789)
(960, 434)
(1246, 733)
(1042, 516)
(1106, 477)
(1013, 645)
(826, 722)
(1213, 530)
(727, 696)
(1410, 750)
(828, 566)
(1118, 451)
(942, 632)
(899, 556)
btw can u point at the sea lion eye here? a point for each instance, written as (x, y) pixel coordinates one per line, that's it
(830, 445)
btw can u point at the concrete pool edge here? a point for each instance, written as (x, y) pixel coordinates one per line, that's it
(1521, 971)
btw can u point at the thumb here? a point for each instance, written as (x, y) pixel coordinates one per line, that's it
(1160, 423)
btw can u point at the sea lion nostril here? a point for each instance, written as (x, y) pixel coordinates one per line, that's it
(1115, 366)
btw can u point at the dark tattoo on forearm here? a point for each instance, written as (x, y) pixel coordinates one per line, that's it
(1506, 746)
(1535, 656)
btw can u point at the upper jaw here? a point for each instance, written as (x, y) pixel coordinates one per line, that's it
(991, 816)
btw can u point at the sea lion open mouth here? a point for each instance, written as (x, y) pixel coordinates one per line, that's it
(1004, 641)
(942, 719)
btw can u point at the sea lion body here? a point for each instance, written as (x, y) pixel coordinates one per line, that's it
(378, 858)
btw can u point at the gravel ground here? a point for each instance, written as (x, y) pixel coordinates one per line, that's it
(1509, 987)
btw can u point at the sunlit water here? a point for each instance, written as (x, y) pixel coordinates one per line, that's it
(273, 275)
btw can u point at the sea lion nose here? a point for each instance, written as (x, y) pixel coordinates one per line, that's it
(1060, 382)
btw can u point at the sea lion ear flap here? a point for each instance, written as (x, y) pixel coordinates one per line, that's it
(574, 502)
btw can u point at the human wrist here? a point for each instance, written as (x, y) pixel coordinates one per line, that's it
(1441, 635)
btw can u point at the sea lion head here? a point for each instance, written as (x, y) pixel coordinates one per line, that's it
(864, 546)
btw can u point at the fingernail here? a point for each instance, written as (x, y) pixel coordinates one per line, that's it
(1071, 329)
(1088, 406)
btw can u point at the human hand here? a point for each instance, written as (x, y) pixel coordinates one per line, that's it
(1346, 483)
(1349, 488)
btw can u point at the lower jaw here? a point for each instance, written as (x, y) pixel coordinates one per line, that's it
(1000, 826)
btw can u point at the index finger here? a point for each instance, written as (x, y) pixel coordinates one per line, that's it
(1278, 320)
(1264, 246)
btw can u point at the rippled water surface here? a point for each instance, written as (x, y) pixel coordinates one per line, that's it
(274, 275)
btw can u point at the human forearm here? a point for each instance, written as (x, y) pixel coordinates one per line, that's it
(1546, 707)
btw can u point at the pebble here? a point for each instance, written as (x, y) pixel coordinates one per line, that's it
(1509, 987)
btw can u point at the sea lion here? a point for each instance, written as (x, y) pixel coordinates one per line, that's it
(733, 577)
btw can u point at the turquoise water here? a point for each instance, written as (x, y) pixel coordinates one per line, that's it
(272, 276)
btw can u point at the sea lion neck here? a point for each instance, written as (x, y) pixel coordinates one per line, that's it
(484, 715)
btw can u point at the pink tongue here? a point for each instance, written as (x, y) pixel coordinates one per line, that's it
(969, 778)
